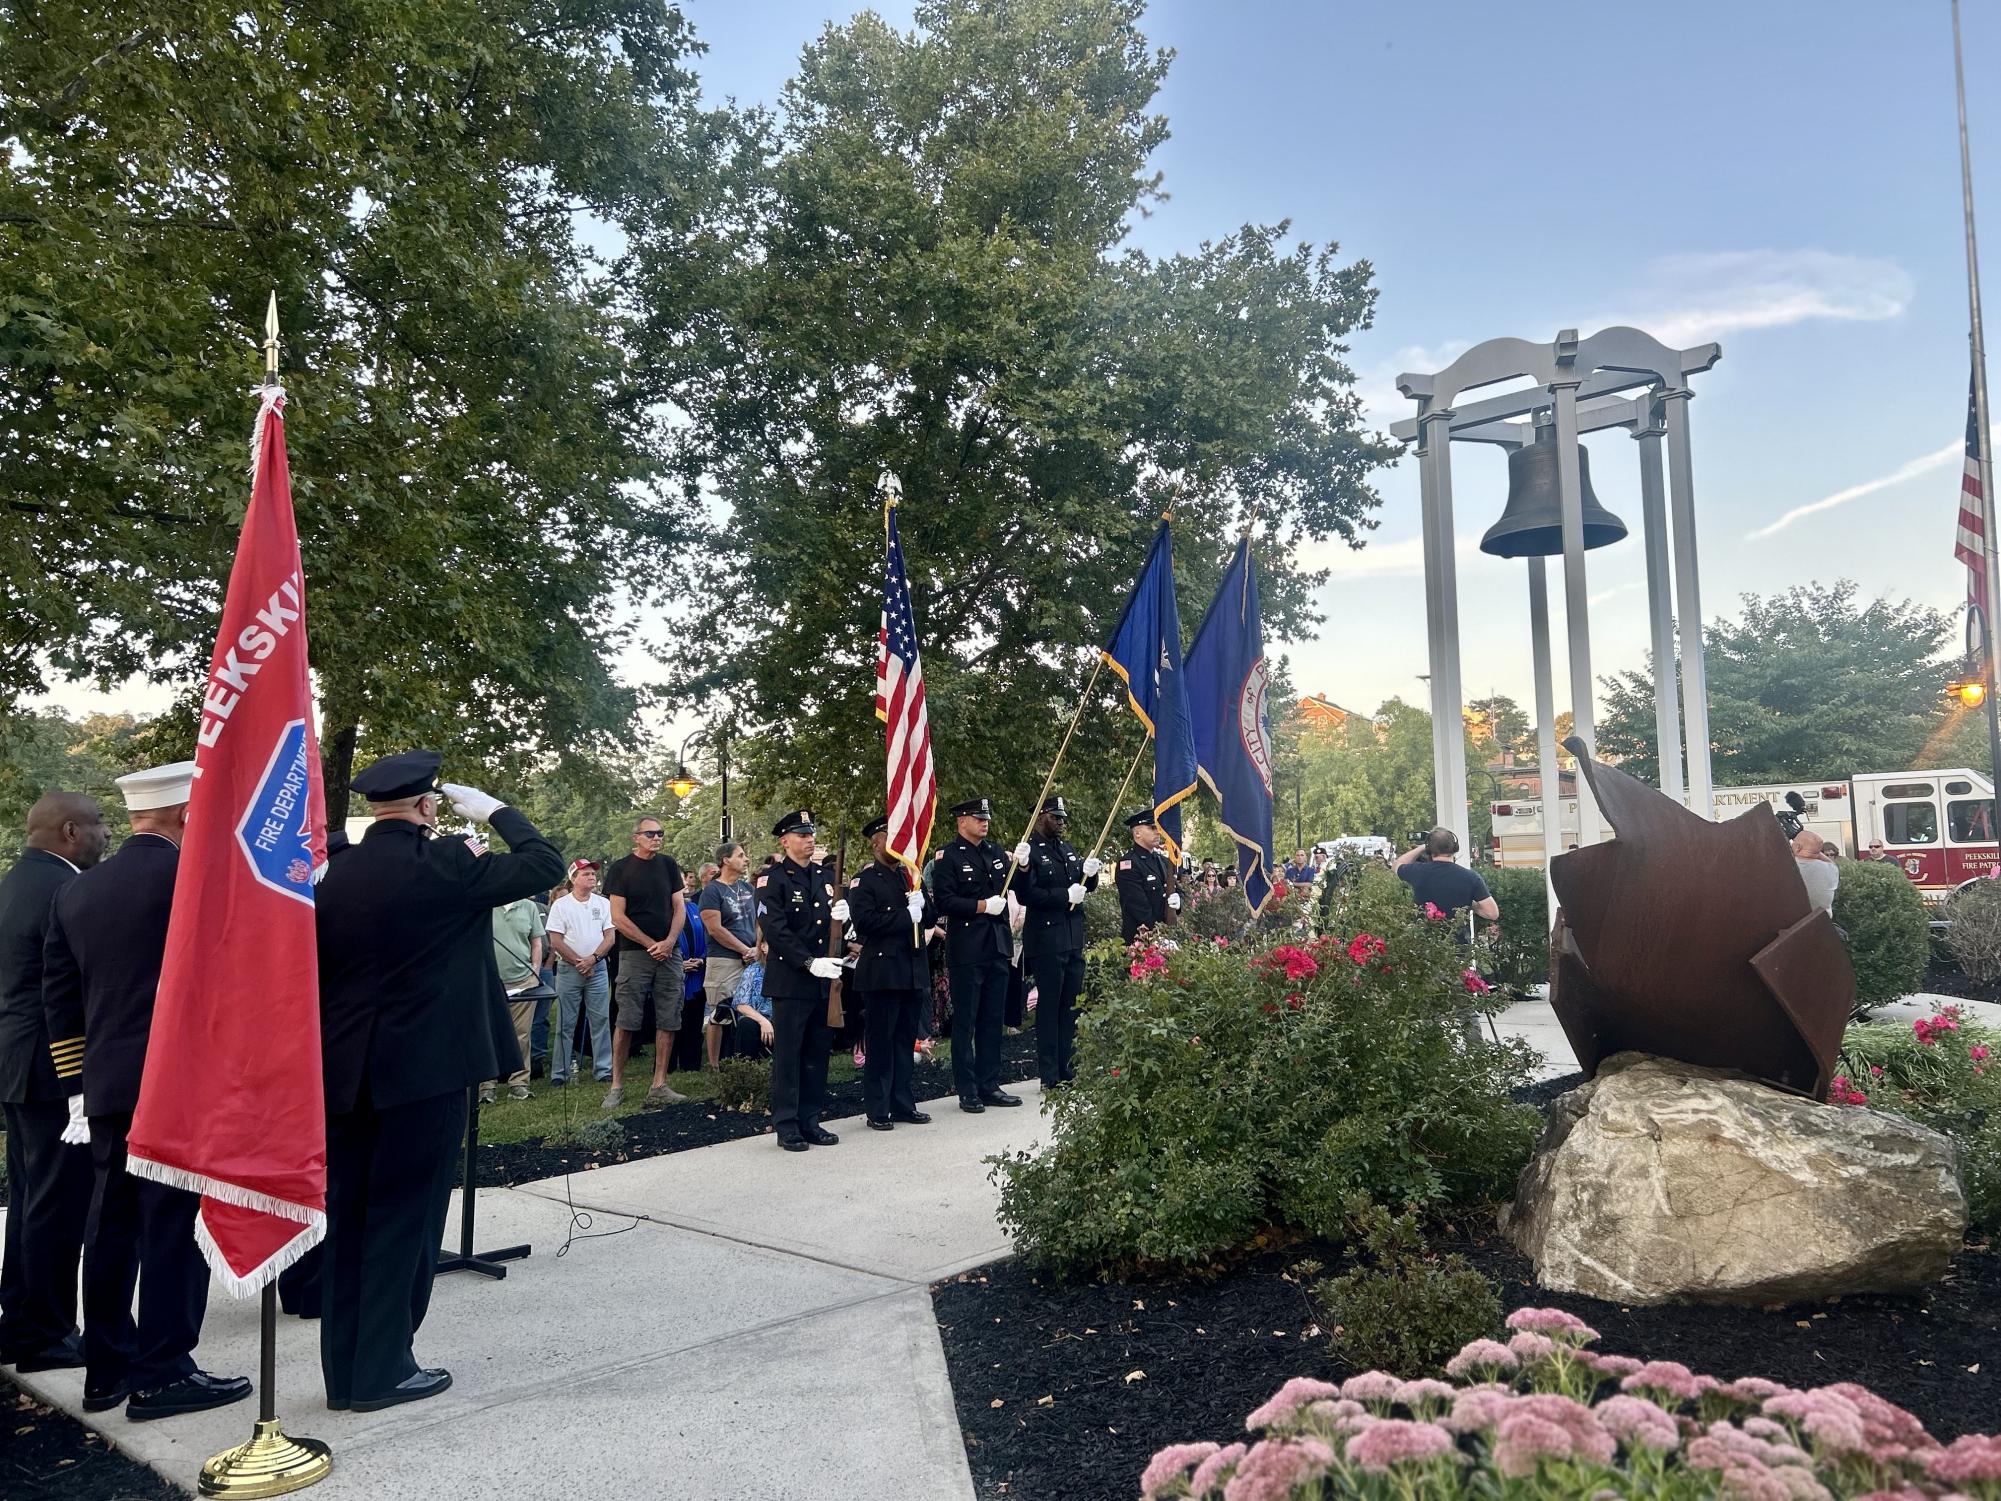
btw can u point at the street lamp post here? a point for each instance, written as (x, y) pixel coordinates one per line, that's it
(685, 781)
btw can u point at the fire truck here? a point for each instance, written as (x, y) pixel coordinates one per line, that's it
(1937, 825)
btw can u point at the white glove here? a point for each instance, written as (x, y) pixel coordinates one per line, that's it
(994, 906)
(840, 910)
(1021, 854)
(1092, 866)
(470, 802)
(915, 902)
(77, 1132)
(1174, 901)
(825, 969)
(1077, 892)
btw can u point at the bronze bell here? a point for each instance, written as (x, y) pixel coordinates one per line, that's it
(1532, 524)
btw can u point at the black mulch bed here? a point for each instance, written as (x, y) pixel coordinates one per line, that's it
(1065, 1391)
(46, 1453)
(702, 1123)
(1945, 979)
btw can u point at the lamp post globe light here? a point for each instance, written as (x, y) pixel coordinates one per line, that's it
(684, 781)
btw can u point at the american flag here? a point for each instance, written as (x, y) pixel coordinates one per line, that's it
(1970, 547)
(899, 704)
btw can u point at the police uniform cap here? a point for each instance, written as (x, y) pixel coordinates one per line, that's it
(973, 807)
(157, 787)
(405, 774)
(1054, 804)
(874, 827)
(800, 822)
(1135, 820)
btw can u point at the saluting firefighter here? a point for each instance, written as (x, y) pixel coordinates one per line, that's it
(1145, 879)
(100, 974)
(412, 1015)
(1054, 882)
(796, 904)
(893, 978)
(969, 882)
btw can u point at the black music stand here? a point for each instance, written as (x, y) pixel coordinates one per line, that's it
(486, 1263)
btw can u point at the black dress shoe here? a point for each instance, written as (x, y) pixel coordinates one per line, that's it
(65, 1355)
(819, 1136)
(103, 1399)
(195, 1392)
(792, 1143)
(1000, 1097)
(879, 1124)
(970, 1105)
(410, 1389)
(911, 1117)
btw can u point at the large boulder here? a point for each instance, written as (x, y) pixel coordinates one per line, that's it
(1661, 1182)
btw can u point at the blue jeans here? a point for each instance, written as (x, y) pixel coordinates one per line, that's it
(594, 995)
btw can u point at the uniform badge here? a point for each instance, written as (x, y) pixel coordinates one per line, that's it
(1125, 865)
(473, 844)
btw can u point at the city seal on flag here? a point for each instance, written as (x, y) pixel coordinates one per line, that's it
(1251, 720)
(275, 832)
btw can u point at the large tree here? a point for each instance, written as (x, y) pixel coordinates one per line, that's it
(474, 464)
(938, 286)
(1814, 682)
(1374, 776)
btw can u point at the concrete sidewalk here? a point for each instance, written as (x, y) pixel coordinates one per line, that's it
(736, 1321)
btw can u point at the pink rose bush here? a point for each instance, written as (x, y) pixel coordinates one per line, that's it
(1544, 1418)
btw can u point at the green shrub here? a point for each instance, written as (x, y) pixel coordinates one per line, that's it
(601, 1137)
(1226, 1088)
(1519, 957)
(1887, 928)
(1404, 1310)
(743, 1084)
(1974, 935)
(1101, 909)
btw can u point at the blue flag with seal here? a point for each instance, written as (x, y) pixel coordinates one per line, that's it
(1227, 686)
(1146, 652)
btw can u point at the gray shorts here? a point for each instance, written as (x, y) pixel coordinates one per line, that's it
(638, 978)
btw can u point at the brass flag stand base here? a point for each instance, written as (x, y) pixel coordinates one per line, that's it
(270, 1464)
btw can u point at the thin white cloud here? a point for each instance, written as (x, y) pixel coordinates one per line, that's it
(1910, 469)
(1688, 299)
(1382, 402)
(1403, 558)
(1630, 586)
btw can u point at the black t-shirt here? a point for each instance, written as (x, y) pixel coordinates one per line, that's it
(1451, 888)
(649, 888)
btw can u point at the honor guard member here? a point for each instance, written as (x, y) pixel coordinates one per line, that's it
(100, 973)
(795, 901)
(412, 1015)
(1145, 879)
(48, 1179)
(970, 883)
(1054, 881)
(893, 977)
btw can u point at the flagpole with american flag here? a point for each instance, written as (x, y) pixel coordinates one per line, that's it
(912, 798)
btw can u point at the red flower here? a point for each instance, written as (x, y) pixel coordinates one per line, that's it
(1474, 984)
(1365, 946)
(1295, 1000)
(1280, 890)
(1271, 1008)
(1115, 1073)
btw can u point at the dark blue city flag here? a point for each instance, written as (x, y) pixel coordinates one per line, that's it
(1146, 652)
(1227, 684)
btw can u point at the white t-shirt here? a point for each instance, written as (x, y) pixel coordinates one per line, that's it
(581, 923)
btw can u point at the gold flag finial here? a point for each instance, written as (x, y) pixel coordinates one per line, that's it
(271, 339)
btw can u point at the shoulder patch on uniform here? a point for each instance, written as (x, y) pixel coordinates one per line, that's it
(1125, 865)
(760, 882)
(473, 844)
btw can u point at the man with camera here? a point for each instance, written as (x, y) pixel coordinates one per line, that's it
(1428, 869)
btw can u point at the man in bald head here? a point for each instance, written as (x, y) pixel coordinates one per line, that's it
(48, 1180)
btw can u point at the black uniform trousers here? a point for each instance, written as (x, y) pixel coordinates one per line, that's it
(979, 1001)
(390, 1172)
(142, 1232)
(1059, 980)
(891, 1036)
(49, 1188)
(800, 1043)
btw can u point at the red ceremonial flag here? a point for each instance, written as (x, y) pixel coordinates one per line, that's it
(232, 1104)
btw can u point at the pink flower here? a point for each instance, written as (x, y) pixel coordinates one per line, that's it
(1841, 1092)
(1478, 1409)
(1274, 1466)
(1663, 1378)
(1474, 984)
(1482, 1354)
(1753, 1389)
(1422, 1397)
(1614, 1366)
(1567, 1327)
(1371, 1387)
(1977, 1051)
(1589, 1438)
(1393, 1441)
(1170, 1464)
(1638, 1423)
(1975, 1458)
(1288, 1399)
(1209, 1474)
(1528, 1346)
(1337, 1416)
(1432, 911)
(1884, 1422)
(1875, 1070)
(1220, 941)
(1525, 1441)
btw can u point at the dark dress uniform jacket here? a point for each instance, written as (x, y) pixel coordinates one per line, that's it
(1052, 926)
(795, 904)
(1143, 884)
(411, 1004)
(26, 895)
(965, 876)
(879, 912)
(101, 970)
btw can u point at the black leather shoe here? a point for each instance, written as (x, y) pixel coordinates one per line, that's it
(410, 1389)
(819, 1136)
(106, 1398)
(970, 1105)
(195, 1392)
(1000, 1097)
(911, 1117)
(66, 1355)
(876, 1124)
(792, 1143)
